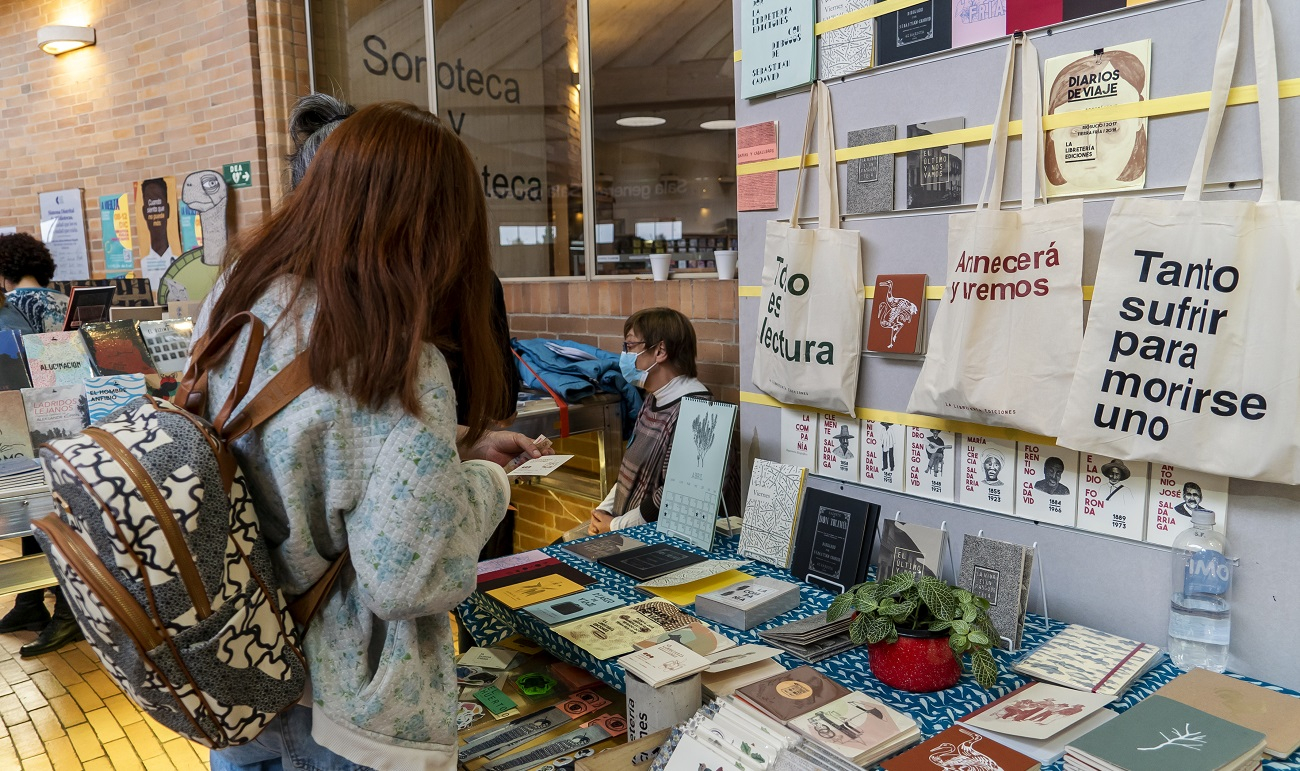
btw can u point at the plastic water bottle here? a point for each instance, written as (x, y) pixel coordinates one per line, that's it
(1199, 620)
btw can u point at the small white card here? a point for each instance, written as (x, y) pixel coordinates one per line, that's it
(540, 467)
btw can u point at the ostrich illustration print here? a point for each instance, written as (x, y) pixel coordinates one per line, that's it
(894, 313)
(963, 757)
(705, 428)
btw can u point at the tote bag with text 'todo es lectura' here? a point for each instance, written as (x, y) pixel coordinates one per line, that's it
(810, 322)
(1187, 359)
(1007, 334)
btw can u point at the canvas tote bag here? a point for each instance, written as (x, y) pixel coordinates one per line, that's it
(1189, 357)
(810, 323)
(1007, 334)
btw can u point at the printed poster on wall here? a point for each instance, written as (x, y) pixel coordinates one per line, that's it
(838, 447)
(1098, 157)
(799, 438)
(157, 228)
(191, 228)
(1175, 494)
(1048, 484)
(1114, 496)
(846, 50)
(755, 192)
(880, 447)
(931, 462)
(777, 45)
(988, 473)
(115, 232)
(67, 242)
(974, 21)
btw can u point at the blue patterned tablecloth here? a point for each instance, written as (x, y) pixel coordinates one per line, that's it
(489, 622)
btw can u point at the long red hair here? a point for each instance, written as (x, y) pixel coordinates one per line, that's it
(390, 226)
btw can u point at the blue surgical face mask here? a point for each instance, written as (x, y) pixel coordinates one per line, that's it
(627, 364)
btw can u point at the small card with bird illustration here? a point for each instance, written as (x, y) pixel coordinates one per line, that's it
(697, 464)
(897, 315)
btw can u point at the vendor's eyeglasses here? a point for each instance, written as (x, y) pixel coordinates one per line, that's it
(629, 346)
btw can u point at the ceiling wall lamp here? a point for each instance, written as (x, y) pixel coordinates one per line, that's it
(719, 125)
(641, 121)
(55, 39)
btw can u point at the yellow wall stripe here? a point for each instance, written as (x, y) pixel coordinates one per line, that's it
(931, 292)
(1152, 108)
(906, 419)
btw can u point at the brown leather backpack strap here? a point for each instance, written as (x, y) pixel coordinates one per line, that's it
(283, 388)
(211, 350)
(308, 604)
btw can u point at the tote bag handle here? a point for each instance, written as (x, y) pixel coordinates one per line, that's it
(1225, 61)
(828, 190)
(1031, 139)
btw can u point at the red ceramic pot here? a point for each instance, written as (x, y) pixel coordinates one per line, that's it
(919, 662)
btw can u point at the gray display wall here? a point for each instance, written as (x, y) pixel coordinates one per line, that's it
(1108, 583)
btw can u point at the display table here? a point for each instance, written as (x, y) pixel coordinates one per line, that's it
(489, 621)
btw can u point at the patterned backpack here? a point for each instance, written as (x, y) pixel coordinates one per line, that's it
(158, 550)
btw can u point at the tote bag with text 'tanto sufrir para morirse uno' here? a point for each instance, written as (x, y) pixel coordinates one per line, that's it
(1188, 358)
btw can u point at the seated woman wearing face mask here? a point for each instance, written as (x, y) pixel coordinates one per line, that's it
(658, 357)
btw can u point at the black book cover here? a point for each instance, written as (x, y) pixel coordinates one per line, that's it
(116, 348)
(556, 568)
(13, 365)
(651, 561)
(922, 29)
(832, 546)
(1077, 9)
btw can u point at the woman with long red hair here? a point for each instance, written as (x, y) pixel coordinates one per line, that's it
(375, 269)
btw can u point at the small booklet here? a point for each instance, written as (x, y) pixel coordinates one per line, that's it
(664, 663)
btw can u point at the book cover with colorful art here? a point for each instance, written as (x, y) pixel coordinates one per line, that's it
(57, 359)
(13, 364)
(116, 349)
(56, 412)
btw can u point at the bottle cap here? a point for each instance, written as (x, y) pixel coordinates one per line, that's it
(1202, 517)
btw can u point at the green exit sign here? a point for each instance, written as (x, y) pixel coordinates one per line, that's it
(238, 174)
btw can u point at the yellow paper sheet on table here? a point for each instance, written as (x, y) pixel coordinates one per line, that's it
(516, 596)
(685, 594)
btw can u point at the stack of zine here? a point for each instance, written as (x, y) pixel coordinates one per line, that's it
(731, 734)
(1039, 720)
(811, 639)
(1160, 734)
(663, 663)
(836, 721)
(19, 476)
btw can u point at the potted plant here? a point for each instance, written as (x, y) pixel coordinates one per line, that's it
(918, 629)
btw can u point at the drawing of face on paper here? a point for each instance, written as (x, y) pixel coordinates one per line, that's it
(205, 192)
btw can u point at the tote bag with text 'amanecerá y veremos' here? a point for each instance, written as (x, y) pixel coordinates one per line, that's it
(810, 323)
(1006, 337)
(1188, 358)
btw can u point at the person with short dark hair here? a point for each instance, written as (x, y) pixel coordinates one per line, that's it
(27, 268)
(659, 349)
(1053, 469)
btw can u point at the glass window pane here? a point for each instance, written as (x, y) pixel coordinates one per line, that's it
(663, 183)
(507, 82)
(371, 51)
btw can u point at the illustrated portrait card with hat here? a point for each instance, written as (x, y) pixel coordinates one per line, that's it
(838, 452)
(1113, 495)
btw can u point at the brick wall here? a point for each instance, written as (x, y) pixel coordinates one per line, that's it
(593, 312)
(167, 90)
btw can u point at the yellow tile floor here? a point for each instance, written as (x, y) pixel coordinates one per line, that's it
(62, 711)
